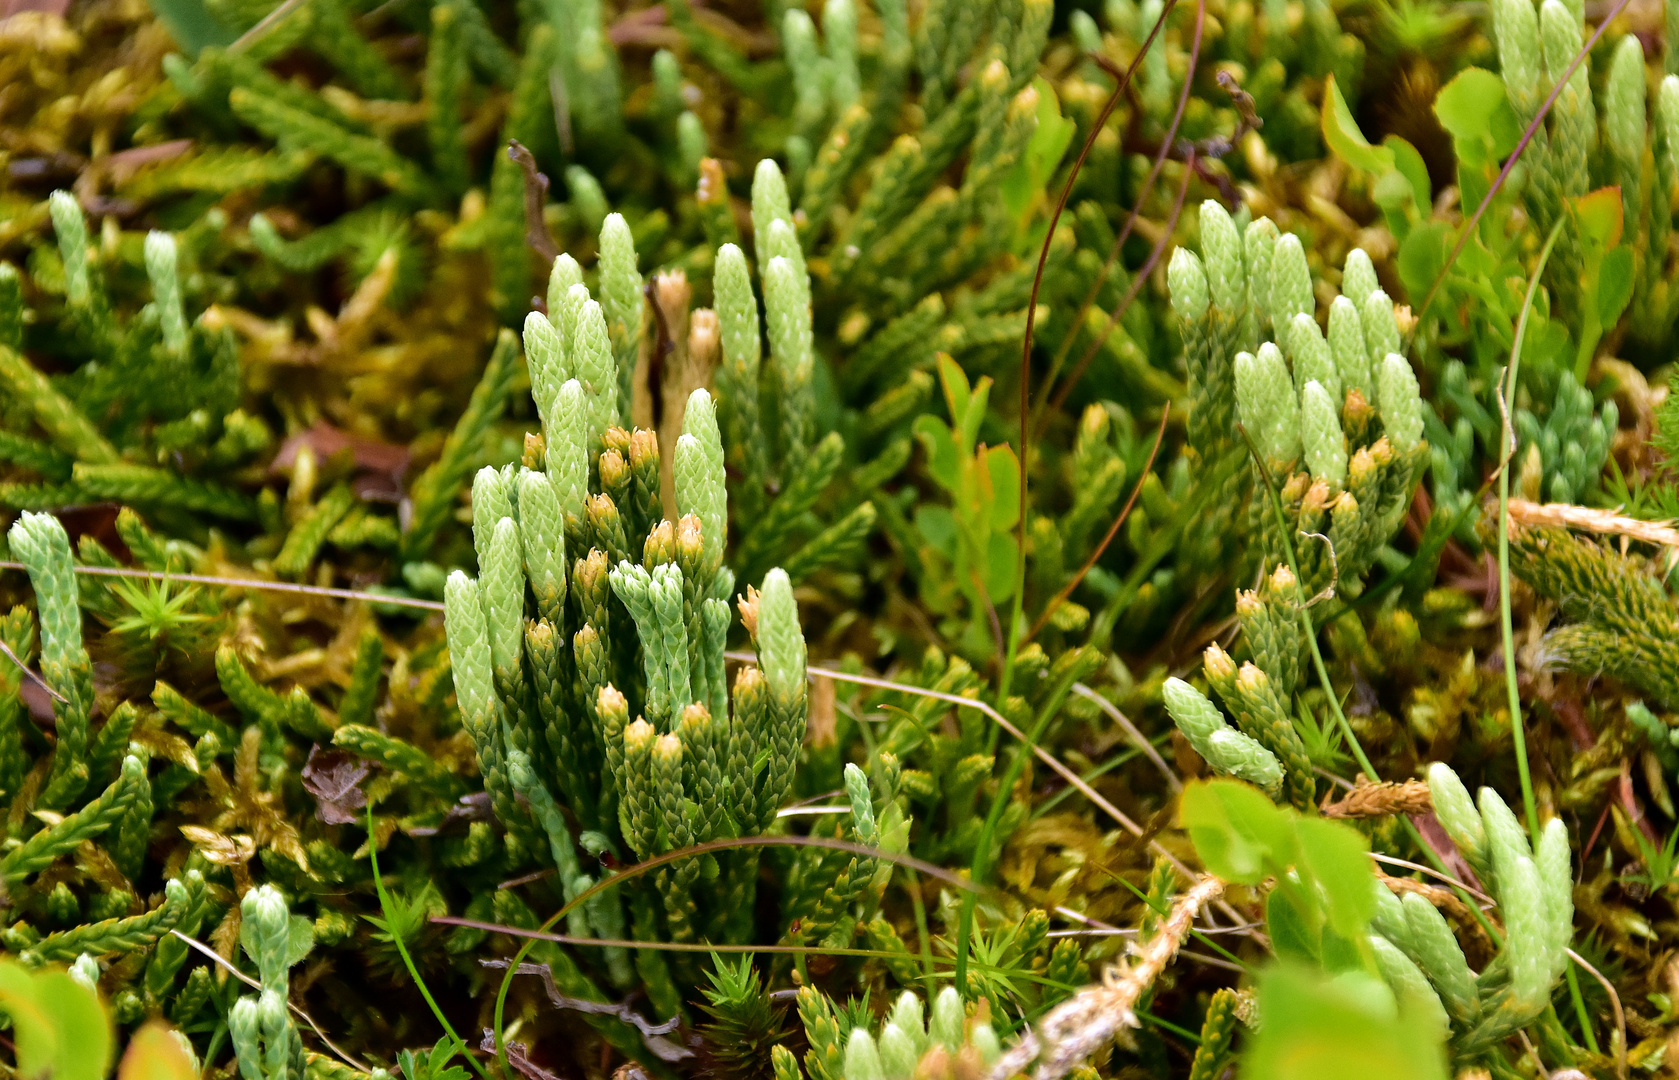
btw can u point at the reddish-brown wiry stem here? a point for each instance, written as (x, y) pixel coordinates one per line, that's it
(1515, 155)
(1113, 530)
(1137, 281)
(1143, 193)
(1101, 121)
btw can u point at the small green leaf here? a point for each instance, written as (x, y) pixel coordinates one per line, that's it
(33, 1029)
(1465, 106)
(1599, 216)
(86, 1046)
(300, 939)
(956, 390)
(58, 1025)
(944, 463)
(1024, 184)
(1004, 470)
(968, 423)
(1337, 858)
(937, 526)
(1410, 165)
(1293, 933)
(1423, 255)
(1336, 953)
(1236, 830)
(1614, 285)
(192, 25)
(1393, 193)
(1002, 555)
(1341, 133)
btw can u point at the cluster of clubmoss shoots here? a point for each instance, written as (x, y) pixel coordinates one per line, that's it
(1280, 53)
(1344, 405)
(1421, 959)
(611, 700)
(88, 795)
(265, 1038)
(1264, 748)
(150, 386)
(1586, 146)
(1563, 456)
(950, 1044)
(1619, 620)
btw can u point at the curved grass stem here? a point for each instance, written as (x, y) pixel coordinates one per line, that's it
(387, 909)
(1507, 441)
(1318, 665)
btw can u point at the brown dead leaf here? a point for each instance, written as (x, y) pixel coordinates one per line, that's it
(369, 455)
(334, 778)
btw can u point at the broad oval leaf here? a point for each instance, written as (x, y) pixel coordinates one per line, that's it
(1336, 856)
(1236, 830)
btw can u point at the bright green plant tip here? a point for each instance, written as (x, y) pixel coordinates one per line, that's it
(1187, 281)
(1321, 436)
(1266, 399)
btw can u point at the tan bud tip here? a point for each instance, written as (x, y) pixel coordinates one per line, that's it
(536, 447)
(613, 471)
(748, 606)
(1251, 679)
(644, 449)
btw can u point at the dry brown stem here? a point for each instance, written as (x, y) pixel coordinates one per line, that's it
(1369, 800)
(1088, 1021)
(1586, 519)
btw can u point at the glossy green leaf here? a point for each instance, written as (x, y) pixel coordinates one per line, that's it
(944, 463)
(1614, 285)
(1004, 471)
(1465, 106)
(954, 382)
(1409, 164)
(1394, 194)
(937, 526)
(192, 25)
(33, 1030)
(1001, 556)
(58, 1025)
(1599, 216)
(1337, 857)
(1423, 255)
(1295, 934)
(1238, 833)
(1341, 133)
(1023, 186)
(300, 939)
